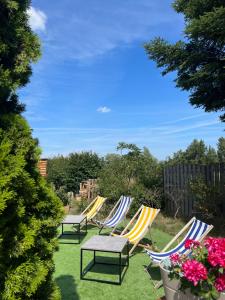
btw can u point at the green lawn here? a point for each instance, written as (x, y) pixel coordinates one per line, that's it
(136, 282)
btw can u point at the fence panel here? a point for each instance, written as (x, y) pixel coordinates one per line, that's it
(176, 185)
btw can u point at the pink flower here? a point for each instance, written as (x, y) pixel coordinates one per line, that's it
(216, 251)
(213, 244)
(220, 283)
(191, 243)
(175, 258)
(209, 243)
(194, 271)
(217, 258)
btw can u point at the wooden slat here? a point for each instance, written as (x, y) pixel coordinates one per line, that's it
(176, 182)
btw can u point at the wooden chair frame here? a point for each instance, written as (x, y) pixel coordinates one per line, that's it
(137, 243)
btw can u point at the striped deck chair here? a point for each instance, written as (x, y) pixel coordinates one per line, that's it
(141, 227)
(122, 206)
(93, 208)
(198, 231)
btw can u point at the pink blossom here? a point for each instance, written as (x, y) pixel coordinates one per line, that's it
(191, 243)
(220, 283)
(194, 271)
(216, 251)
(217, 258)
(175, 258)
(213, 244)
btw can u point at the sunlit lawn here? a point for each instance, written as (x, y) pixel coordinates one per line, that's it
(136, 283)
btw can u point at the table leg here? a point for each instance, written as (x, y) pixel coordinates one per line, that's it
(120, 268)
(79, 232)
(81, 264)
(62, 228)
(128, 254)
(94, 256)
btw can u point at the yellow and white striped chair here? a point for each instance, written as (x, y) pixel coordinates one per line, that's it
(146, 216)
(93, 208)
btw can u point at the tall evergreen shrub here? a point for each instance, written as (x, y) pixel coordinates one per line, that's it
(29, 210)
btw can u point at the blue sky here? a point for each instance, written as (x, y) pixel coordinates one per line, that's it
(94, 85)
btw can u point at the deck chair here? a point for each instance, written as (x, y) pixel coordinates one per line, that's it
(198, 231)
(117, 214)
(93, 208)
(141, 227)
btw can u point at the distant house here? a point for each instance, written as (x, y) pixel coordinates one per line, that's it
(42, 166)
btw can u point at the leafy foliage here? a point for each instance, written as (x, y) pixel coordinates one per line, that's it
(19, 46)
(29, 211)
(221, 149)
(199, 60)
(57, 171)
(136, 173)
(69, 171)
(209, 198)
(198, 153)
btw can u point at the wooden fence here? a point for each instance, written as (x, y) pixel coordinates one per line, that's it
(177, 188)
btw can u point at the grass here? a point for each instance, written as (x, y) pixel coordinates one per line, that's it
(136, 283)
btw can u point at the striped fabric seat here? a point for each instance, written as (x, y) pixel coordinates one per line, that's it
(197, 232)
(96, 204)
(145, 220)
(122, 209)
(146, 216)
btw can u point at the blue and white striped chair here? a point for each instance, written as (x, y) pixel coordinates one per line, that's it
(198, 231)
(122, 206)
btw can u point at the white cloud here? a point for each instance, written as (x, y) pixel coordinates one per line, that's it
(104, 109)
(37, 19)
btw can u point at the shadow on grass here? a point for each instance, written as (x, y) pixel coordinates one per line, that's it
(105, 266)
(68, 238)
(67, 287)
(154, 272)
(91, 226)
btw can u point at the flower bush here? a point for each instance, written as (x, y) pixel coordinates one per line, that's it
(203, 270)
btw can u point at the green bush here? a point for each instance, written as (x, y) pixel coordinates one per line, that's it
(209, 199)
(30, 213)
(29, 210)
(82, 204)
(136, 173)
(63, 195)
(69, 171)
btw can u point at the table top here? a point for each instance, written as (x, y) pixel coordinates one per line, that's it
(105, 243)
(73, 219)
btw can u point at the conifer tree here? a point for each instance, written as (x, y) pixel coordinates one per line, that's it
(29, 210)
(198, 59)
(221, 149)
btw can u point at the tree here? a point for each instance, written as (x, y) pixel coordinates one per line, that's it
(82, 166)
(196, 153)
(211, 156)
(19, 46)
(67, 172)
(136, 173)
(221, 150)
(57, 170)
(199, 60)
(29, 210)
